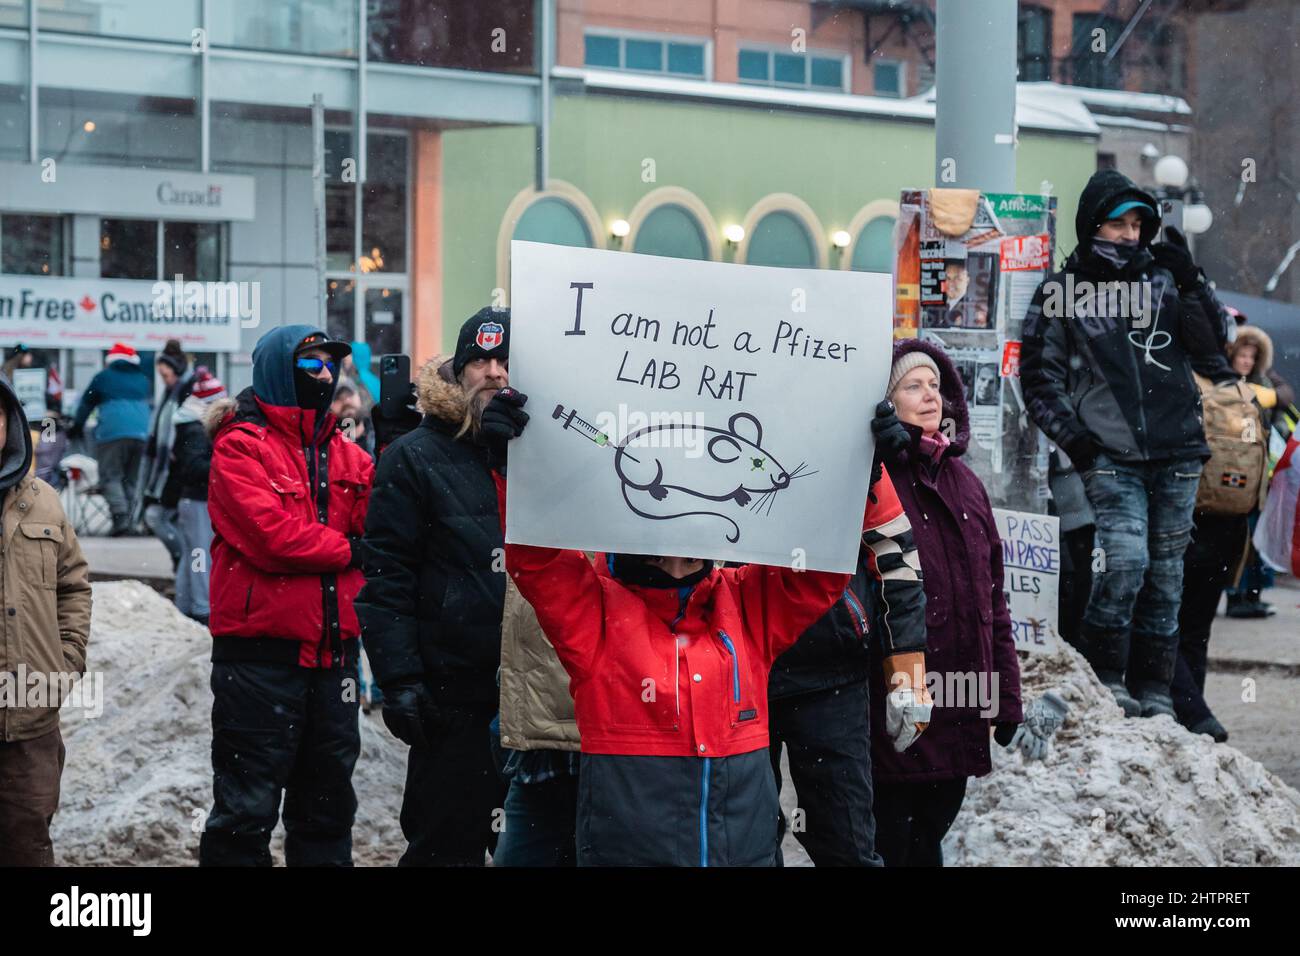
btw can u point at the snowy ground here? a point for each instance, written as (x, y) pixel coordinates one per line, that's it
(138, 780)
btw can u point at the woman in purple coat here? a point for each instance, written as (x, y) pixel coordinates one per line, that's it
(974, 675)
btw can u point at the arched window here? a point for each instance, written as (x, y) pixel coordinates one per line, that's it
(874, 250)
(671, 230)
(552, 219)
(562, 215)
(781, 239)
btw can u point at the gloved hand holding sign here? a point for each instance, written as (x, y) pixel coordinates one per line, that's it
(908, 705)
(1042, 719)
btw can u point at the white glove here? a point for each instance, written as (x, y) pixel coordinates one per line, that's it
(904, 710)
(1042, 719)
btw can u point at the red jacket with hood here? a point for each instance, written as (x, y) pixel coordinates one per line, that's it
(674, 672)
(285, 493)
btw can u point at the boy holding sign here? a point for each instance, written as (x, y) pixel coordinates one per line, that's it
(668, 659)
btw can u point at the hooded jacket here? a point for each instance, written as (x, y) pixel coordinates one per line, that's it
(285, 493)
(43, 585)
(1098, 374)
(433, 600)
(968, 628)
(1263, 374)
(121, 393)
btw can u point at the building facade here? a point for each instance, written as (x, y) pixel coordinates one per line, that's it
(144, 141)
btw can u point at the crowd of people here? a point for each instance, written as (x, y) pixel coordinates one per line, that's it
(564, 708)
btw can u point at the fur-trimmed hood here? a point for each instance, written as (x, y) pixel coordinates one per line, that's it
(216, 415)
(1253, 335)
(951, 388)
(437, 392)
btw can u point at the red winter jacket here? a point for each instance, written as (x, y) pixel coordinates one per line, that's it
(655, 672)
(278, 571)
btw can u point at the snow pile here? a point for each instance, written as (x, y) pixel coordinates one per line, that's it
(137, 786)
(1117, 792)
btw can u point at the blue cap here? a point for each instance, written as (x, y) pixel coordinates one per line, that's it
(1126, 206)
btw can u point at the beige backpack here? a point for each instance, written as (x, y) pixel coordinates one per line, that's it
(1233, 478)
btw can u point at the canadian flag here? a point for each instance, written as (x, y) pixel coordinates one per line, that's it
(1277, 533)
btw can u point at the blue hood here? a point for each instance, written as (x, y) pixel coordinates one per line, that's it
(273, 364)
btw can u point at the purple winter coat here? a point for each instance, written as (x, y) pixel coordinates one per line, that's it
(968, 629)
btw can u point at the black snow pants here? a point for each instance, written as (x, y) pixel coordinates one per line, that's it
(454, 803)
(281, 729)
(827, 736)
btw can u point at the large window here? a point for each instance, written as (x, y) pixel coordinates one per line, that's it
(782, 68)
(114, 130)
(13, 123)
(670, 230)
(383, 203)
(1034, 44)
(647, 54)
(33, 245)
(781, 239)
(491, 35)
(1090, 50)
(319, 27)
(154, 249)
(551, 219)
(143, 19)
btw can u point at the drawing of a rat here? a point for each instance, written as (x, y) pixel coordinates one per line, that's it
(662, 468)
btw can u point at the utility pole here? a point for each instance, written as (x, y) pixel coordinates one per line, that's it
(975, 89)
(318, 199)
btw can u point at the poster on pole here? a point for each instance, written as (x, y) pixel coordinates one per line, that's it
(29, 387)
(689, 408)
(1031, 565)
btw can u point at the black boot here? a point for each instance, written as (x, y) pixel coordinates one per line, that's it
(121, 526)
(1212, 728)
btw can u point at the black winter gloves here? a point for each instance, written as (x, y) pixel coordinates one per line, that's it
(409, 712)
(503, 419)
(354, 544)
(1174, 255)
(892, 439)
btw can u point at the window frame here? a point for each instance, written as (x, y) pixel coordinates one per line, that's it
(902, 77)
(846, 60)
(1024, 14)
(622, 36)
(65, 245)
(160, 239)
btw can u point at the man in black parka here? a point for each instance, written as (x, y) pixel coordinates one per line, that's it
(431, 608)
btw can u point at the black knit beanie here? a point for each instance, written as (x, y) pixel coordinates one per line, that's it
(485, 334)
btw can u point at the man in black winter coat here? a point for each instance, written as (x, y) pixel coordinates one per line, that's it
(435, 590)
(1110, 345)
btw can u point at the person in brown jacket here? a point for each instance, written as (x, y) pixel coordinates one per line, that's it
(44, 626)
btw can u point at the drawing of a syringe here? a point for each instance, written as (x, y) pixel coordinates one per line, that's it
(571, 419)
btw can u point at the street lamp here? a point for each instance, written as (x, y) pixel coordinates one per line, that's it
(1182, 205)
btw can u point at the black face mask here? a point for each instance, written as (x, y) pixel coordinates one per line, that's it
(1118, 254)
(636, 570)
(312, 393)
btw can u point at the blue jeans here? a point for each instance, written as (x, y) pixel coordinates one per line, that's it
(1144, 522)
(540, 824)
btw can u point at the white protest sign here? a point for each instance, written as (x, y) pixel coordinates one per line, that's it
(29, 386)
(1031, 563)
(690, 408)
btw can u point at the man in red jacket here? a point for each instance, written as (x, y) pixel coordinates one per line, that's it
(287, 496)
